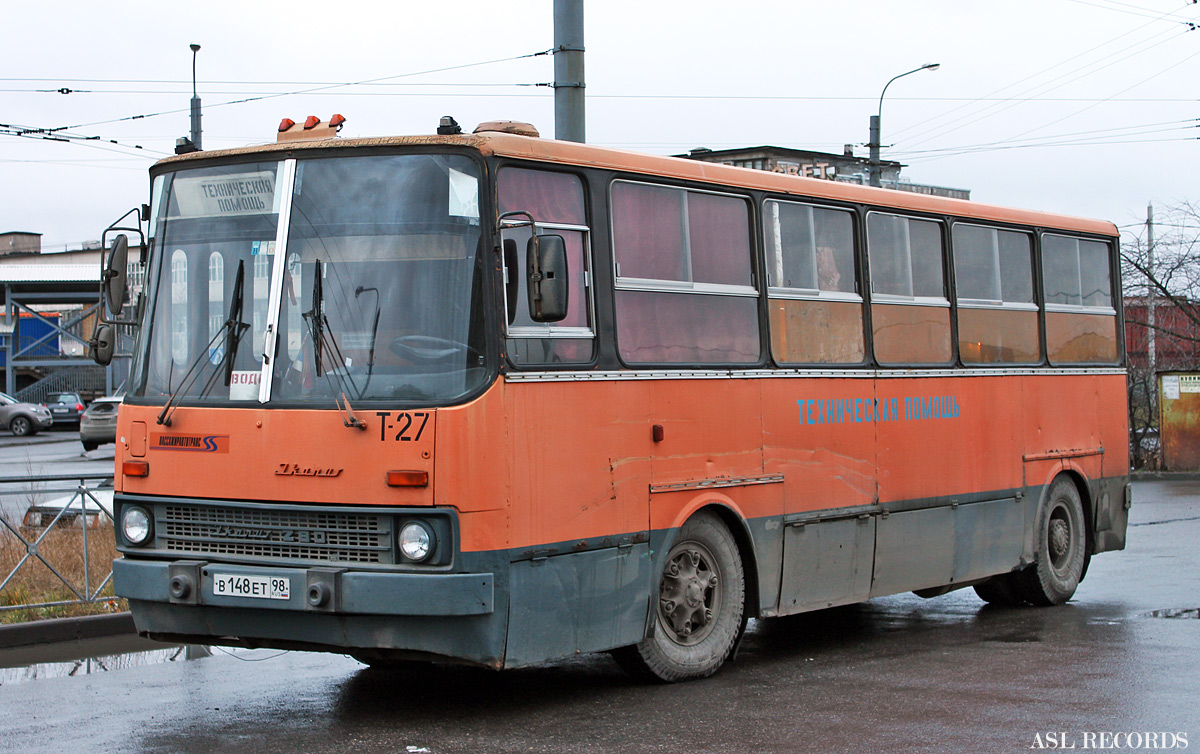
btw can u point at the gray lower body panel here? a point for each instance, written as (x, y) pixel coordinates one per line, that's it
(583, 602)
(937, 547)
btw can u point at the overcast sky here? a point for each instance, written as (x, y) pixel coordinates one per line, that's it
(1107, 90)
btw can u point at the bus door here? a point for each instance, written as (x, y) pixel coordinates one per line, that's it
(819, 421)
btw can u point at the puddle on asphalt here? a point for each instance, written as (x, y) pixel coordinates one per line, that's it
(1185, 612)
(80, 658)
(88, 656)
(99, 664)
(1018, 638)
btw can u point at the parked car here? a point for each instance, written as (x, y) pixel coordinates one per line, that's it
(66, 408)
(96, 512)
(23, 418)
(98, 425)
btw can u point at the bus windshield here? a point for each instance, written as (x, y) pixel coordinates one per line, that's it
(372, 291)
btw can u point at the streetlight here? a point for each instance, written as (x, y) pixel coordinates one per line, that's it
(195, 100)
(873, 164)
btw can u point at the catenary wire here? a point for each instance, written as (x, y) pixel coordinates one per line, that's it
(1068, 77)
(314, 89)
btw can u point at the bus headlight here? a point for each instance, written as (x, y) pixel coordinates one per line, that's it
(136, 525)
(416, 542)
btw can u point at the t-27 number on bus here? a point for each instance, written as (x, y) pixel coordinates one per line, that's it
(404, 422)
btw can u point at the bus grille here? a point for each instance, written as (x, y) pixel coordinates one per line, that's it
(314, 535)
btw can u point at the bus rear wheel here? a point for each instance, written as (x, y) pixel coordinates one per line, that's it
(698, 614)
(999, 590)
(1061, 540)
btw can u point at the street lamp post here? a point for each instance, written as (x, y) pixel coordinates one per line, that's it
(195, 101)
(874, 167)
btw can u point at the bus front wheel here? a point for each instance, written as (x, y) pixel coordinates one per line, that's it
(1061, 541)
(698, 614)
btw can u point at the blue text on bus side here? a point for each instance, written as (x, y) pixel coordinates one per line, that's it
(858, 410)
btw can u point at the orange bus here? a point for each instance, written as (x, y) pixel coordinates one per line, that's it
(497, 399)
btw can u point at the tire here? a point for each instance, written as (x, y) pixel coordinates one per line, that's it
(381, 659)
(1061, 541)
(999, 590)
(698, 610)
(20, 426)
(89, 445)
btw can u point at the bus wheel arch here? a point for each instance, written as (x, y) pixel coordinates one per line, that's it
(1061, 542)
(699, 601)
(731, 515)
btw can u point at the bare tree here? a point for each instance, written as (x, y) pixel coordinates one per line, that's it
(1160, 268)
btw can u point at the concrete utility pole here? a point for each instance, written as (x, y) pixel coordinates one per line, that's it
(1151, 291)
(568, 71)
(195, 101)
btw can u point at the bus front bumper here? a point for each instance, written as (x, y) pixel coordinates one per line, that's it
(316, 590)
(461, 617)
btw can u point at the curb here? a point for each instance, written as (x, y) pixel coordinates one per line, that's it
(1164, 476)
(56, 630)
(41, 438)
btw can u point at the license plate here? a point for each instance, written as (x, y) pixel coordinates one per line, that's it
(60, 411)
(258, 587)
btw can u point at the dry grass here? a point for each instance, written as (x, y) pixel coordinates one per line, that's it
(35, 583)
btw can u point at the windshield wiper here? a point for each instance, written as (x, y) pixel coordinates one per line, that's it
(318, 327)
(374, 336)
(232, 329)
(234, 326)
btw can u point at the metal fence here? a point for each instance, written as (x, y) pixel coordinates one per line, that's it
(56, 541)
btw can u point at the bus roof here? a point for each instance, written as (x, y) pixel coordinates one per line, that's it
(586, 155)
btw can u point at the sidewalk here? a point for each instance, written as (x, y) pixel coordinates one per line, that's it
(1164, 476)
(56, 630)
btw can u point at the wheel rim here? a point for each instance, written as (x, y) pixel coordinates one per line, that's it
(690, 595)
(20, 427)
(1061, 540)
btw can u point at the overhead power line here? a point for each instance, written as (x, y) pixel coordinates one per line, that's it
(52, 134)
(324, 87)
(598, 95)
(1135, 10)
(1089, 107)
(933, 155)
(1034, 90)
(1066, 138)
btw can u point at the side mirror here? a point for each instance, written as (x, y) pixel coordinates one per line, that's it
(114, 275)
(101, 344)
(549, 283)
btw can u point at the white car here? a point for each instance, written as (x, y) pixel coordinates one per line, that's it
(75, 509)
(98, 424)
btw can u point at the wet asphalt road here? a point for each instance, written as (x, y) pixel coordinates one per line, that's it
(897, 674)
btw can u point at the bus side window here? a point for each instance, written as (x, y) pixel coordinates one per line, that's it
(1081, 323)
(997, 314)
(816, 309)
(556, 201)
(180, 352)
(685, 291)
(910, 314)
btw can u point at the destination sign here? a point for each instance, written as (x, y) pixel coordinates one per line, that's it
(226, 195)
